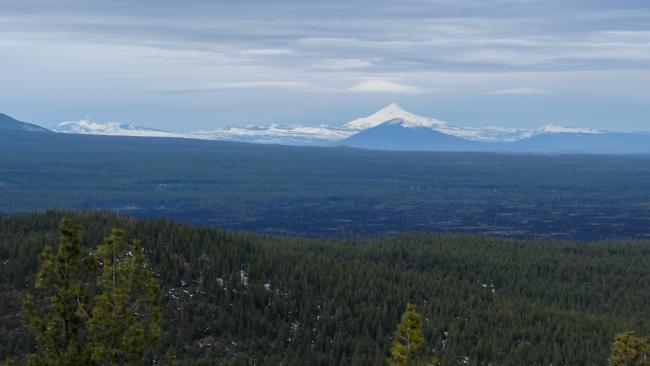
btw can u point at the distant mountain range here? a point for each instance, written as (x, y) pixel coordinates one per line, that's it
(319, 135)
(391, 128)
(410, 120)
(271, 134)
(398, 134)
(87, 126)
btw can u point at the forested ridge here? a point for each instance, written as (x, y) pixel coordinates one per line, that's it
(236, 298)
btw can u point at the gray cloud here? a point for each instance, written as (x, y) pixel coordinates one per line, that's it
(384, 86)
(100, 50)
(517, 91)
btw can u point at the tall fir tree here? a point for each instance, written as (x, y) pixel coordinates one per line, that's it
(65, 277)
(117, 326)
(409, 338)
(125, 320)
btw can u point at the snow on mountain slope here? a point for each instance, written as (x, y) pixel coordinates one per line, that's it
(292, 134)
(394, 135)
(87, 126)
(553, 128)
(322, 134)
(410, 120)
(390, 112)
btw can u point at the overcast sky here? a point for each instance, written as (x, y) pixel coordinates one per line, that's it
(187, 65)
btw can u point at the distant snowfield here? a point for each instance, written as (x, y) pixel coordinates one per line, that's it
(319, 135)
(87, 126)
(294, 134)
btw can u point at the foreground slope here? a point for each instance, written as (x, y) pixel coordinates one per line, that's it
(245, 299)
(8, 123)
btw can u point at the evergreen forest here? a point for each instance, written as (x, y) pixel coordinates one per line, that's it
(231, 298)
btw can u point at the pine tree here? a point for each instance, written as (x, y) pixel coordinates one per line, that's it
(116, 327)
(408, 341)
(65, 277)
(629, 350)
(125, 321)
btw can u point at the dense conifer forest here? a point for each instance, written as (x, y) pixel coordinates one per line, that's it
(244, 299)
(342, 192)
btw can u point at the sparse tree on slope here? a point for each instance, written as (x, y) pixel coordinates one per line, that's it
(628, 350)
(115, 327)
(408, 341)
(64, 276)
(125, 321)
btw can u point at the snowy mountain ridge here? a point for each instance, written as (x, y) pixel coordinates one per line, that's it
(87, 126)
(323, 134)
(273, 133)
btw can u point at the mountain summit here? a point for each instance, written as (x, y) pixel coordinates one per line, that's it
(410, 120)
(391, 112)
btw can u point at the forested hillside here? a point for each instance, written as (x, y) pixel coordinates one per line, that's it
(245, 299)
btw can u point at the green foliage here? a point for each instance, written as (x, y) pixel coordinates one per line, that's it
(629, 350)
(408, 340)
(63, 276)
(237, 298)
(327, 191)
(116, 327)
(408, 337)
(125, 320)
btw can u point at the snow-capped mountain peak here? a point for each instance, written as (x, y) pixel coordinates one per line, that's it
(406, 119)
(296, 134)
(391, 112)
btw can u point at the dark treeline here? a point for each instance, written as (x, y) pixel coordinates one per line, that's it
(245, 299)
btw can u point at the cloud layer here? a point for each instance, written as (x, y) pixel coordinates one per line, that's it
(293, 60)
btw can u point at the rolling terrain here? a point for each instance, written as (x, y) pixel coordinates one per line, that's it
(327, 191)
(241, 299)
